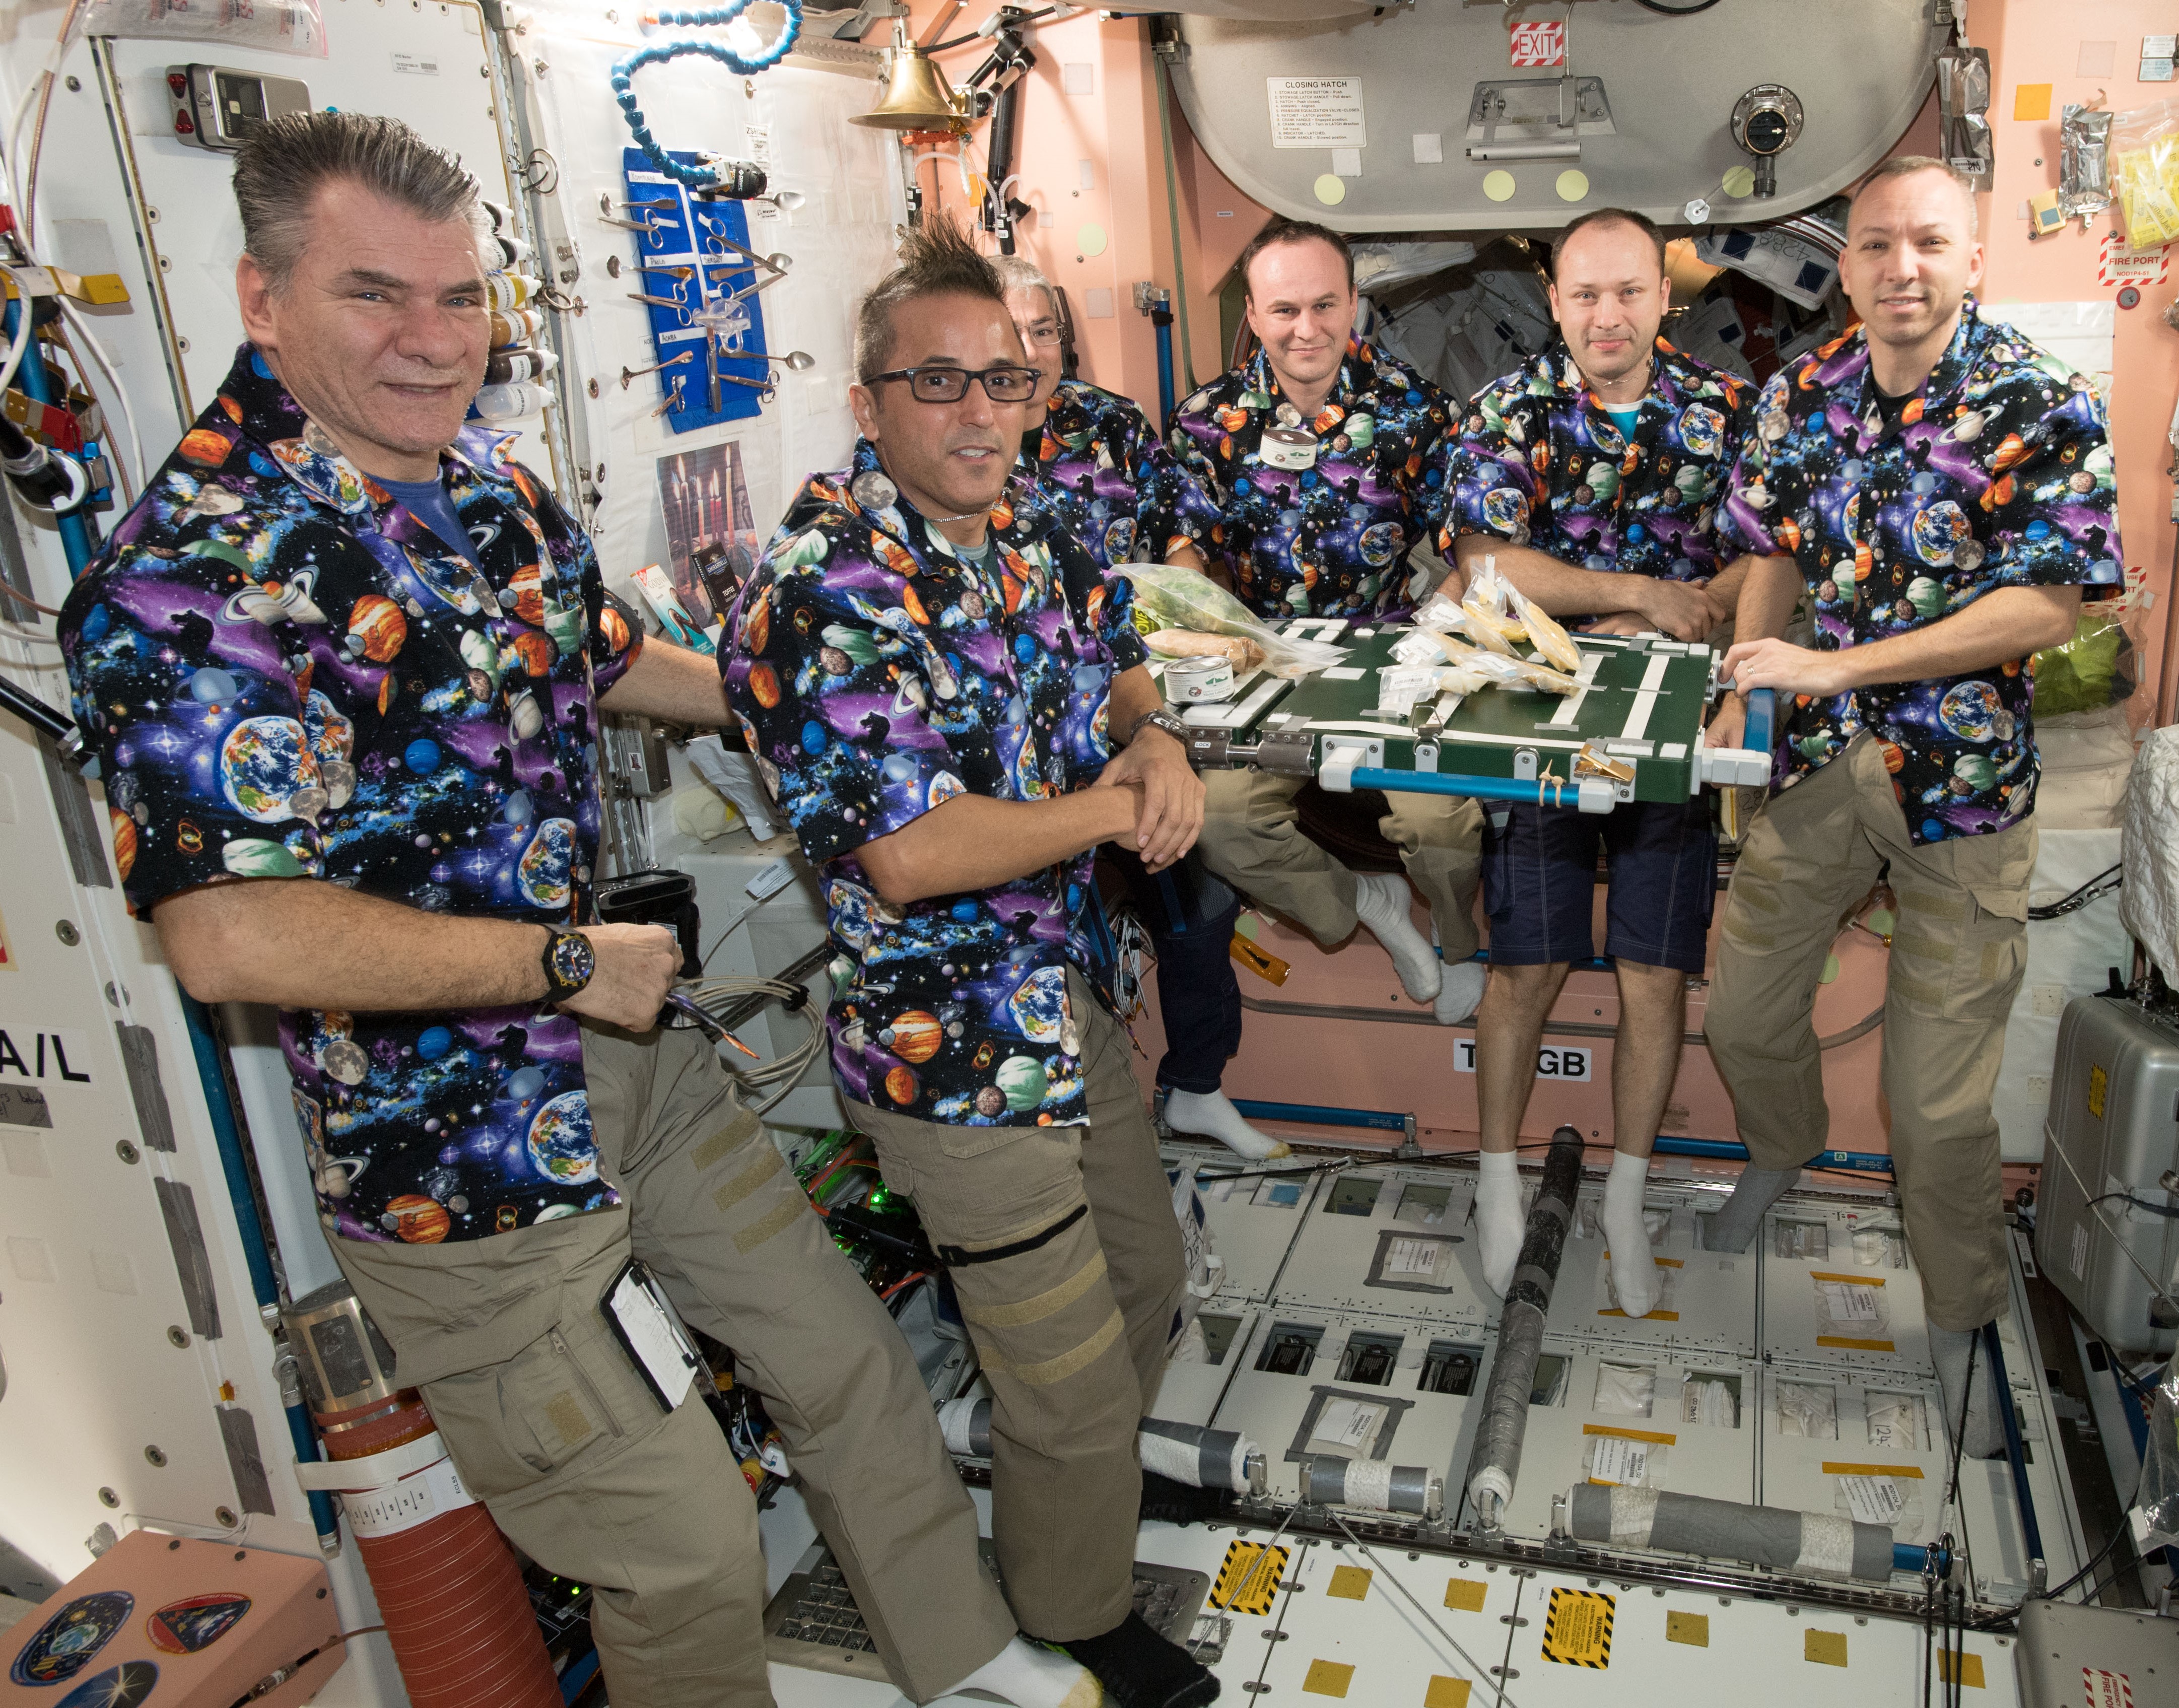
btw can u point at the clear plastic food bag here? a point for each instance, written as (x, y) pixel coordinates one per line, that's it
(2144, 172)
(1174, 597)
(274, 26)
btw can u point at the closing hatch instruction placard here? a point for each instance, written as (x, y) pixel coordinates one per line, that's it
(1317, 113)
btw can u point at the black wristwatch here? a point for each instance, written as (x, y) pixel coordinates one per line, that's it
(1159, 718)
(568, 963)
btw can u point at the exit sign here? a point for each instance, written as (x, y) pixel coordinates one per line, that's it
(1538, 44)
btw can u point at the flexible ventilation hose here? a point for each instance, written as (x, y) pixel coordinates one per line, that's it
(1495, 1465)
(623, 76)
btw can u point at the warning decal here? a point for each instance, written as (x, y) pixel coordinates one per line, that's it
(2107, 1689)
(1538, 44)
(1248, 1579)
(1577, 1629)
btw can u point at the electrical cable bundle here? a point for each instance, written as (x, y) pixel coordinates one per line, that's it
(716, 995)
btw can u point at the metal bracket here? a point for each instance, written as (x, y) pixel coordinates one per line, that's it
(1536, 117)
(1344, 755)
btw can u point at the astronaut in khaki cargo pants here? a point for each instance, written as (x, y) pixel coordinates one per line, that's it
(1941, 494)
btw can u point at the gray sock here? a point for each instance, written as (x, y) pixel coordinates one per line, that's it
(1984, 1434)
(1734, 1226)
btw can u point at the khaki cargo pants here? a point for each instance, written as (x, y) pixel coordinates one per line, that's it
(549, 1423)
(1073, 1276)
(1957, 953)
(1252, 837)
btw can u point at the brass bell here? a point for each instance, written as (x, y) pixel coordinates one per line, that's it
(917, 97)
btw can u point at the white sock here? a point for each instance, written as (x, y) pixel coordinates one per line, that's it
(1380, 902)
(1211, 1115)
(1030, 1676)
(1459, 997)
(1633, 1270)
(1500, 1221)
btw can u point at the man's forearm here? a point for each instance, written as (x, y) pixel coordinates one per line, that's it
(1724, 587)
(974, 843)
(304, 943)
(670, 682)
(1133, 694)
(2003, 625)
(1560, 588)
(1769, 590)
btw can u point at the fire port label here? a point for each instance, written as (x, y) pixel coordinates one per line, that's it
(2107, 1689)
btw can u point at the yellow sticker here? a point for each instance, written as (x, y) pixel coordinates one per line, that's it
(1464, 1595)
(1090, 239)
(1573, 184)
(2031, 101)
(1349, 1583)
(1498, 185)
(1966, 1669)
(1834, 1468)
(1690, 1628)
(1248, 1579)
(1739, 182)
(1578, 1628)
(1445, 1693)
(1331, 190)
(2099, 1084)
(1328, 1677)
(1825, 1648)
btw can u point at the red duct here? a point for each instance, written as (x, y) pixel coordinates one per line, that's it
(448, 1585)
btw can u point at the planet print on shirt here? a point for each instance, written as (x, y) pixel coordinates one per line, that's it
(1038, 1005)
(262, 763)
(546, 874)
(561, 1147)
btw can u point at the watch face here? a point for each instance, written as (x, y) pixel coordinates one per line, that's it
(572, 959)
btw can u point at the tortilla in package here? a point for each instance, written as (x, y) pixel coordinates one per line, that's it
(1182, 643)
(1173, 597)
(2144, 172)
(1496, 600)
(1501, 668)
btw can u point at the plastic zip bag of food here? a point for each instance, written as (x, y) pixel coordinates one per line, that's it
(1501, 667)
(1177, 598)
(1497, 595)
(1182, 643)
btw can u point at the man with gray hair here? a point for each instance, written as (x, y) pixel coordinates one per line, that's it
(1940, 491)
(341, 665)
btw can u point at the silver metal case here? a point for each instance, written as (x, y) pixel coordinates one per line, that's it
(2113, 1129)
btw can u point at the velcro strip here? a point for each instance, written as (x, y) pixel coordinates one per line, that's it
(1057, 1370)
(1048, 1303)
(748, 1179)
(782, 1216)
(735, 1134)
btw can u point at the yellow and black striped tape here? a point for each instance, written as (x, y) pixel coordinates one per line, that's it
(1248, 1578)
(1578, 1628)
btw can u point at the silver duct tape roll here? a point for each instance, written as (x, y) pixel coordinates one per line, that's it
(966, 1426)
(1373, 1485)
(1822, 1544)
(1200, 1457)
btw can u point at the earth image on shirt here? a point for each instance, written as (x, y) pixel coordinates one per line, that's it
(560, 1145)
(1039, 1007)
(262, 763)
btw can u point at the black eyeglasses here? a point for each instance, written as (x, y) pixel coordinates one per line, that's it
(1001, 385)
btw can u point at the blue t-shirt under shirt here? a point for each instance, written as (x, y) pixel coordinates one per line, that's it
(427, 501)
(1626, 415)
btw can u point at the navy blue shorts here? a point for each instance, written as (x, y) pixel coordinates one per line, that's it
(1540, 882)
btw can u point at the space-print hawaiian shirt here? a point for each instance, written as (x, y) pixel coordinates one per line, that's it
(1998, 475)
(1331, 540)
(878, 675)
(1101, 466)
(1541, 463)
(285, 674)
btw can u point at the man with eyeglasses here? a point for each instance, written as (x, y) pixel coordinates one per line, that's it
(1326, 460)
(1100, 465)
(925, 670)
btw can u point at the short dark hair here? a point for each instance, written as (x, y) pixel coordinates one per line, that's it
(1910, 166)
(284, 162)
(1609, 215)
(937, 260)
(1292, 231)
